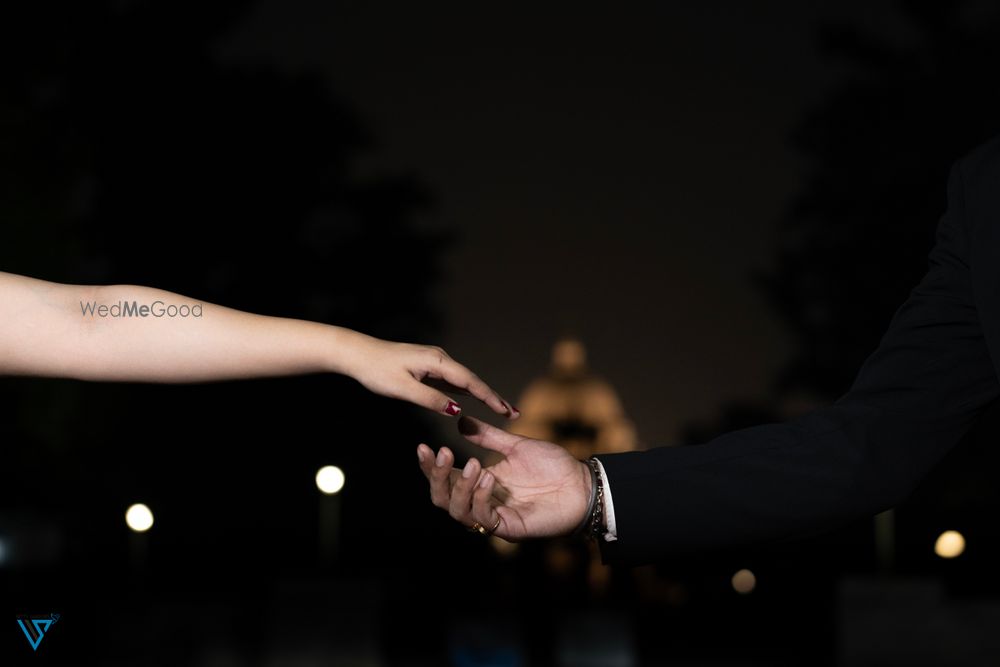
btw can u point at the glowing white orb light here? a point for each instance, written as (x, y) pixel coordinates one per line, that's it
(744, 582)
(139, 518)
(949, 544)
(330, 480)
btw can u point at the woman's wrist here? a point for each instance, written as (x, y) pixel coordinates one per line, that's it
(344, 351)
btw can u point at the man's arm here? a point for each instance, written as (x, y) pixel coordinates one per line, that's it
(913, 399)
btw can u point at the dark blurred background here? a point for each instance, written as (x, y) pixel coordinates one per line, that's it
(702, 194)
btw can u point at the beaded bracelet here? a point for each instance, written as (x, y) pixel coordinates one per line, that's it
(593, 521)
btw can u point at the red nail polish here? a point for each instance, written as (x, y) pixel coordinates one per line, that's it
(452, 408)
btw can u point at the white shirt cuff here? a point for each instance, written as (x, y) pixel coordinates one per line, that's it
(609, 506)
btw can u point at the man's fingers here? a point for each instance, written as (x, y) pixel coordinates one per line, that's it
(482, 504)
(482, 434)
(460, 503)
(425, 457)
(440, 478)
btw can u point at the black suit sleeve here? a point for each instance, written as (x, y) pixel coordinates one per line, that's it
(913, 399)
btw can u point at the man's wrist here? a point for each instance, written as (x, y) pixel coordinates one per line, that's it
(610, 526)
(594, 523)
(588, 492)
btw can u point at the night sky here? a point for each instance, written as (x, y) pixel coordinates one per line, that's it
(626, 174)
(617, 176)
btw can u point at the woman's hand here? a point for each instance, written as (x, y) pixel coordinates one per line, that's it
(53, 330)
(420, 374)
(537, 490)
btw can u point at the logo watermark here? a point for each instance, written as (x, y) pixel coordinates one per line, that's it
(35, 627)
(136, 309)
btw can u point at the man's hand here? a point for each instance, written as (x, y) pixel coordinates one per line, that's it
(537, 490)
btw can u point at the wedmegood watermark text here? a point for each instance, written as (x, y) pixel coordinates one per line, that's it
(123, 309)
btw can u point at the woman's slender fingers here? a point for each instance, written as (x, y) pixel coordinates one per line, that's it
(460, 503)
(462, 378)
(431, 398)
(445, 386)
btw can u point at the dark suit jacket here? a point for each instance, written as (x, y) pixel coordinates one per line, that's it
(933, 374)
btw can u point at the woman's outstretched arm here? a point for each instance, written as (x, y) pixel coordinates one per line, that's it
(140, 334)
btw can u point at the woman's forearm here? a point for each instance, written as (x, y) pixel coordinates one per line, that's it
(133, 333)
(141, 334)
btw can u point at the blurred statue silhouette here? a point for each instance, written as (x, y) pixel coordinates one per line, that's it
(572, 407)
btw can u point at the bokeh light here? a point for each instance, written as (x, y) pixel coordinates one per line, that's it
(330, 479)
(139, 518)
(950, 544)
(744, 581)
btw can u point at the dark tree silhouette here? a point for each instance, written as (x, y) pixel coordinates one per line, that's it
(856, 238)
(858, 235)
(128, 154)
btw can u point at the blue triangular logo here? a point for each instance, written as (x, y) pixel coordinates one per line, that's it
(35, 627)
